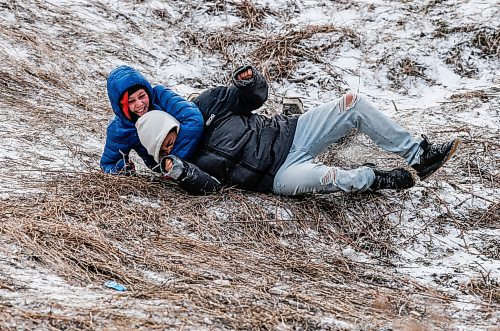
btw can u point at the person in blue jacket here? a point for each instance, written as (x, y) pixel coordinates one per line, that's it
(132, 96)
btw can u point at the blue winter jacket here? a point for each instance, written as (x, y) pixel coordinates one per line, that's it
(121, 133)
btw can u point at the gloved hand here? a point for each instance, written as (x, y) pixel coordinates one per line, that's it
(165, 166)
(172, 167)
(244, 76)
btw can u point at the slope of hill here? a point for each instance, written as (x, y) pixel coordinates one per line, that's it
(425, 258)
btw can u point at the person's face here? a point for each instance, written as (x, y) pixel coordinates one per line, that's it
(138, 102)
(168, 143)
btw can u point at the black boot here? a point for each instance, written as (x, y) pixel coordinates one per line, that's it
(395, 179)
(434, 156)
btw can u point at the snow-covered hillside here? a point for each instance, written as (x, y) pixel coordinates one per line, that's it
(425, 258)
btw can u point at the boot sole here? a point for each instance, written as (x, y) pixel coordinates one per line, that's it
(452, 151)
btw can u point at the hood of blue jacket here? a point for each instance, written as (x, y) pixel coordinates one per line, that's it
(119, 81)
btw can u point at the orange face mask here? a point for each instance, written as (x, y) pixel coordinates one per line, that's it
(124, 103)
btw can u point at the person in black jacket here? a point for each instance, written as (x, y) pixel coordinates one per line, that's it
(257, 153)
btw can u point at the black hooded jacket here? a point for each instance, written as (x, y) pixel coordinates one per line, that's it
(238, 148)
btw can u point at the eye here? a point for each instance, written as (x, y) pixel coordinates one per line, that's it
(167, 146)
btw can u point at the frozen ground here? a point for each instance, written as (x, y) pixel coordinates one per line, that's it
(432, 65)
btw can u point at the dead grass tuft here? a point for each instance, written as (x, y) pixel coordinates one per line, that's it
(482, 95)
(489, 218)
(488, 41)
(413, 325)
(252, 14)
(462, 65)
(444, 29)
(405, 68)
(480, 42)
(278, 54)
(11, 318)
(484, 286)
(430, 5)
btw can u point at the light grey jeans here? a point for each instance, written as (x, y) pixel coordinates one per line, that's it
(319, 128)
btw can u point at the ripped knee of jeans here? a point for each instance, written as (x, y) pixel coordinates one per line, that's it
(330, 177)
(347, 101)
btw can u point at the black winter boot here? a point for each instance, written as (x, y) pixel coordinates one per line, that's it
(434, 156)
(395, 179)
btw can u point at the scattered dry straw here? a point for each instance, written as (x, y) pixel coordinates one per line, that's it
(277, 54)
(230, 257)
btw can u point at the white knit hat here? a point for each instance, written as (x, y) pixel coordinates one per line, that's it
(152, 128)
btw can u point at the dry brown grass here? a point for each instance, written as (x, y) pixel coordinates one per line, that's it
(239, 270)
(277, 54)
(480, 41)
(252, 14)
(404, 69)
(12, 318)
(488, 41)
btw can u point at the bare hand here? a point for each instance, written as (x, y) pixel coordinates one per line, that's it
(247, 74)
(167, 166)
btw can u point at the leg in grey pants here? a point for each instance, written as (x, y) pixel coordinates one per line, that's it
(319, 128)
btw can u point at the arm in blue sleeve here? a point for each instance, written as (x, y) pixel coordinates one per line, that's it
(115, 157)
(189, 117)
(115, 160)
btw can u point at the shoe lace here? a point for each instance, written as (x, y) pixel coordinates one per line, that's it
(425, 144)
